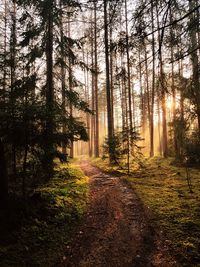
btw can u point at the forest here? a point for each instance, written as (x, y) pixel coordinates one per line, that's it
(100, 133)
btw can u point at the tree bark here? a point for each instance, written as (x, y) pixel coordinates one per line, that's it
(111, 67)
(195, 61)
(96, 84)
(108, 94)
(173, 86)
(49, 148)
(13, 44)
(70, 88)
(129, 75)
(153, 85)
(63, 77)
(3, 177)
(5, 47)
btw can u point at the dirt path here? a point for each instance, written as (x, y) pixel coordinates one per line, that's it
(116, 230)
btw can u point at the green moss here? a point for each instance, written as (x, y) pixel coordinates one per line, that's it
(53, 211)
(164, 189)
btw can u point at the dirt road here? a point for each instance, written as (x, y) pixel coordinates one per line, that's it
(116, 230)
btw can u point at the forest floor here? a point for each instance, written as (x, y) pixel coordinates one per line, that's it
(92, 214)
(117, 229)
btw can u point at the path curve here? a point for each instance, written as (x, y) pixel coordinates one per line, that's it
(116, 231)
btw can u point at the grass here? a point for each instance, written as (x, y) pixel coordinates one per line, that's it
(163, 188)
(44, 227)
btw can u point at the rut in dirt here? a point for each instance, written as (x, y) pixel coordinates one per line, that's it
(116, 230)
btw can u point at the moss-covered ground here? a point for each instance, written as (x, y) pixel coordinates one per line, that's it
(163, 187)
(38, 234)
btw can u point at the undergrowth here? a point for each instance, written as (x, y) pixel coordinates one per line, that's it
(38, 235)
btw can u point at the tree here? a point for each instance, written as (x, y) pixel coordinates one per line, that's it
(193, 29)
(96, 84)
(153, 85)
(49, 148)
(108, 94)
(3, 176)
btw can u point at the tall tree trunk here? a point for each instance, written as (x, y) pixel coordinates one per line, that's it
(13, 44)
(63, 77)
(147, 93)
(153, 85)
(142, 96)
(49, 147)
(24, 167)
(164, 112)
(182, 109)
(93, 96)
(123, 97)
(108, 94)
(159, 123)
(5, 47)
(111, 66)
(87, 116)
(129, 74)
(96, 84)
(70, 87)
(3, 177)
(193, 26)
(173, 86)
(198, 25)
